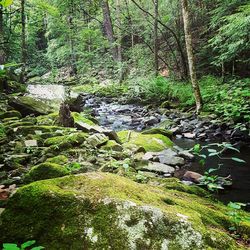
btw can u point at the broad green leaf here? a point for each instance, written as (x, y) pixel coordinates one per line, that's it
(238, 160)
(37, 248)
(28, 244)
(10, 246)
(213, 154)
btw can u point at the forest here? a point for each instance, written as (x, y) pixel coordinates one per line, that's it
(124, 124)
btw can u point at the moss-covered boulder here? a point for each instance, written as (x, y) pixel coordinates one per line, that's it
(10, 114)
(113, 146)
(72, 139)
(45, 171)
(27, 105)
(150, 142)
(160, 131)
(59, 159)
(105, 211)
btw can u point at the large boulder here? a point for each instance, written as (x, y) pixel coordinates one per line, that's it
(105, 211)
(27, 105)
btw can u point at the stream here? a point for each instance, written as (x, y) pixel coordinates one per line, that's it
(113, 115)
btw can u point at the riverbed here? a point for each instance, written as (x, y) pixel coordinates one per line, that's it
(113, 115)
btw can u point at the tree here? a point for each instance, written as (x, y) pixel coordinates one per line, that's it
(190, 55)
(156, 45)
(23, 42)
(108, 28)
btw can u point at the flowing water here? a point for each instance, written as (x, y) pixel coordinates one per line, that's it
(119, 117)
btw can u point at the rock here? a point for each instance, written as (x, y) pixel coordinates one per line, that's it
(112, 145)
(97, 140)
(151, 143)
(160, 131)
(65, 117)
(192, 176)
(105, 211)
(30, 143)
(159, 168)
(189, 135)
(45, 171)
(170, 157)
(10, 114)
(29, 106)
(151, 121)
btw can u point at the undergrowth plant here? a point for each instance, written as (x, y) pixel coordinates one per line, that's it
(210, 179)
(25, 246)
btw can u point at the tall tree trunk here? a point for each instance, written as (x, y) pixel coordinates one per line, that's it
(156, 45)
(190, 55)
(23, 46)
(71, 40)
(108, 28)
(2, 50)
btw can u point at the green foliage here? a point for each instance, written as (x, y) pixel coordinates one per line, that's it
(231, 40)
(25, 245)
(236, 216)
(6, 3)
(212, 181)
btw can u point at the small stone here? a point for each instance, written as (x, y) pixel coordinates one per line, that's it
(97, 140)
(189, 135)
(30, 143)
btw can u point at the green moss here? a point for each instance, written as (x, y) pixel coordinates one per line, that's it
(72, 139)
(105, 211)
(45, 171)
(80, 118)
(60, 159)
(31, 105)
(153, 143)
(10, 114)
(160, 131)
(112, 145)
(50, 119)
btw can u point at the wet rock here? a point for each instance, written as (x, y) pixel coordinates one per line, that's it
(151, 121)
(192, 176)
(65, 117)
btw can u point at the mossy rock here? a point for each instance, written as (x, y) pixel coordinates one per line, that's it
(72, 139)
(45, 171)
(10, 114)
(59, 159)
(27, 105)
(151, 142)
(50, 119)
(160, 131)
(39, 129)
(112, 145)
(105, 211)
(79, 118)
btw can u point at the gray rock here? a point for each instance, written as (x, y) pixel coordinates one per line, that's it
(97, 140)
(170, 157)
(159, 168)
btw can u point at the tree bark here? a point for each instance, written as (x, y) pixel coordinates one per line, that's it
(2, 50)
(190, 55)
(108, 28)
(23, 41)
(156, 45)
(71, 41)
